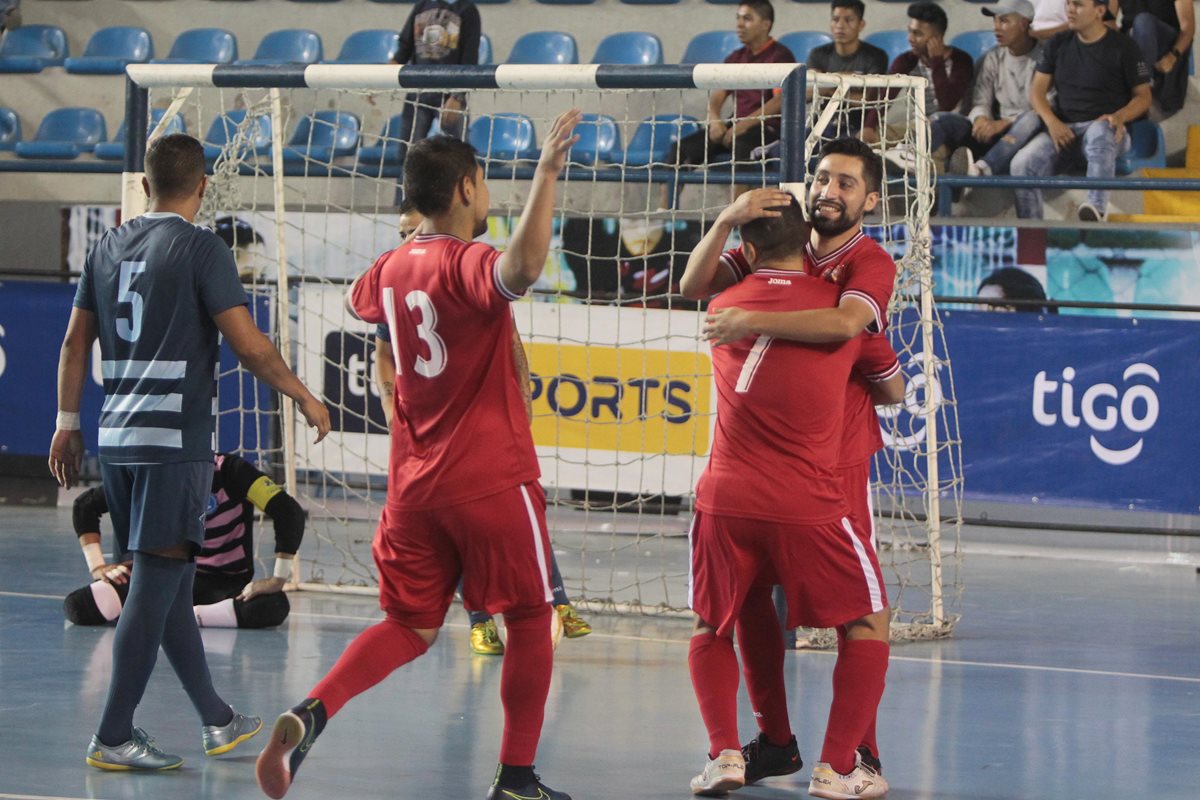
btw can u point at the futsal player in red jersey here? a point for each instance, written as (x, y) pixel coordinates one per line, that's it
(770, 510)
(845, 188)
(463, 494)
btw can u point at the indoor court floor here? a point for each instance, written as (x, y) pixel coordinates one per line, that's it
(1075, 673)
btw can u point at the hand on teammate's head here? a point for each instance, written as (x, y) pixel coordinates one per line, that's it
(755, 204)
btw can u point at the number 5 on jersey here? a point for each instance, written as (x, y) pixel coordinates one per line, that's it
(130, 329)
(419, 302)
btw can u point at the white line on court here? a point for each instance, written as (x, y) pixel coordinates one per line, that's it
(628, 638)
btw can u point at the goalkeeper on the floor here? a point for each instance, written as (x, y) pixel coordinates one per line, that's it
(225, 592)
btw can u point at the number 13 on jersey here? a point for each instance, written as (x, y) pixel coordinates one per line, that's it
(420, 304)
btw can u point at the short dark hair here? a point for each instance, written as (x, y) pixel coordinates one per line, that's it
(433, 170)
(1017, 284)
(778, 237)
(872, 164)
(236, 232)
(931, 13)
(761, 7)
(857, 6)
(174, 165)
(407, 207)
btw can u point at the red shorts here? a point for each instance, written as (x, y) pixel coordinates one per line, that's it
(856, 485)
(498, 545)
(829, 575)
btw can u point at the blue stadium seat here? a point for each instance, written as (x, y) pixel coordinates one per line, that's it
(653, 138)
(111, 49)
(223, 128)
(504, 137)
(369, 47)
(974, 43)
(386, 149)
(65, 133)
(1148, 148)
(599, 138)
(115, 150)
(323, 136)
(10, 129)
(32, 48)
(202, 46)
(801, 43)
(544, 47)
(293, 46)
(629, 47)
(891, 42)
(485, 49)
(710, 47)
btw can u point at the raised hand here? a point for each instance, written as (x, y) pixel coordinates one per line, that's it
(559, 141)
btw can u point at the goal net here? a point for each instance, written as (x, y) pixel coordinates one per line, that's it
(306, 163)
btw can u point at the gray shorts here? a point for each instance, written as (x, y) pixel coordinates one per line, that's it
(157, 506)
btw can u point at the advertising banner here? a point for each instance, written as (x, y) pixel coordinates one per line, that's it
(1078, 410)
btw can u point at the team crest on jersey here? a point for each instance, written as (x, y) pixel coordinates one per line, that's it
(835, 274)
(212, 504)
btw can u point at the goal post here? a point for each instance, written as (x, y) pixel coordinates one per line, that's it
(623, 402)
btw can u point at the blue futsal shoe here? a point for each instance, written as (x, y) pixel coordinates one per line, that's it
(139, 753)
(220, 739)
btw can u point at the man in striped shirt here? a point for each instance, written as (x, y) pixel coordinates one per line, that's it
(156, 291)
(225, 592)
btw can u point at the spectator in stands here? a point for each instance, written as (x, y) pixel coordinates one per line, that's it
(755, 121)
(948, 69)
(246, 244)
(10, 16)
(437, 32)
(847, 53)
(1049, 18)
(1163, 30)
(1001, 120)
(1102, 84)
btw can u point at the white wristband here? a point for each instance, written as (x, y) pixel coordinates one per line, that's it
(93, 555)
(67, 421)
(283, 568)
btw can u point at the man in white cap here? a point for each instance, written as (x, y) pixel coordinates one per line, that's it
(1001, 119)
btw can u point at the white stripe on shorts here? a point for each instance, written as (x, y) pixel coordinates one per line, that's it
(871, 514)
(537, 544)
(868, 571)
(691, 576)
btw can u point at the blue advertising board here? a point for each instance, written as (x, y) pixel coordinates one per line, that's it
(33, 318)
(1065, 410)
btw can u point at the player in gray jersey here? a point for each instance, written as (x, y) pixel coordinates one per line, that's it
(156, 291)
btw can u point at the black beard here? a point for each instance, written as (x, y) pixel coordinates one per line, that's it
(830, 227)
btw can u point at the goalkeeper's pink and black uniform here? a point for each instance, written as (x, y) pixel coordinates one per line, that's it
(225, 563)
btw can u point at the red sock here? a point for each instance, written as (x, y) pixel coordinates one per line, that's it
(714, 669)
(525, 683)
(868, 737)
(372, 656)
(858, 679)
(761, 643)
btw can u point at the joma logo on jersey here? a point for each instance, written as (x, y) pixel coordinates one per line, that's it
(778, 282)
(1100, 407)
(631, 400)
